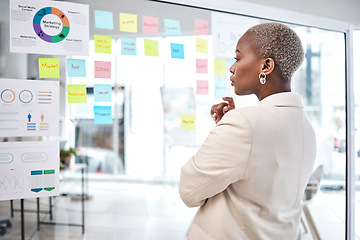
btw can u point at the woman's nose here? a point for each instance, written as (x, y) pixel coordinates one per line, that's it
(232, 68)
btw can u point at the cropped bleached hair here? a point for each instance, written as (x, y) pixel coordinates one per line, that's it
(281, 43)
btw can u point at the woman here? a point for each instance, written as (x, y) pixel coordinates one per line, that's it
(250, 174)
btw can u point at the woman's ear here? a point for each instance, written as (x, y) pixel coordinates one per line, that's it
(268, 66)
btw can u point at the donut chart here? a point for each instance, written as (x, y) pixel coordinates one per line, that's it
(40, 32)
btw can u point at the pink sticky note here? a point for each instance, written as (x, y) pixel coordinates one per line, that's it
(150, 25)
(201, 66)
(202, 87)
(102, 69)
(202, 27)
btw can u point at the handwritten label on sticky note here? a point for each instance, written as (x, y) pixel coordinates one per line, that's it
(102, 115)
(76, 93)
(172, 27)
(49, 68)
(201, 45)
(104, 19)
(202, 27)
(221, 87)
(128, 22)
(76, 68)
(150, 25)
(151, 47)
(220, 67)
(102, 43)
(102, 92)
(128, 46)
(102, 69)
(188, 121)
(201, 66)
(202, 87)
(177, 50)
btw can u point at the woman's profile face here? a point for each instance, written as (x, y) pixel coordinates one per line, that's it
(246, 69)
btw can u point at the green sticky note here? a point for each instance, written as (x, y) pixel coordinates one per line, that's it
(220, 67)
(102, 43)
(151, 47)
(188, 121)
(49, 68)
(76, 93)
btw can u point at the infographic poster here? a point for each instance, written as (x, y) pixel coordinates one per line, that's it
(49, 27)
(29, 169)
(29, 108)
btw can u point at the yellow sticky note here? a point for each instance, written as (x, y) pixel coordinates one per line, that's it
(49, 68)
(188, 121)
(151, 47)
(128, 22)
(201, 45)
(76, 93)
(102, 43)
(220, 67)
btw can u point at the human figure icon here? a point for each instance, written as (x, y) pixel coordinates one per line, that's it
(29, 117)
(42, 117)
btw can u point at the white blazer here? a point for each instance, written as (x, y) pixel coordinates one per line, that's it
(250, 174)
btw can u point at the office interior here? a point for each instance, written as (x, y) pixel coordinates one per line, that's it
(127, 182)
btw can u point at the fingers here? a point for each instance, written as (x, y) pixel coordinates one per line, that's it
(230, 101)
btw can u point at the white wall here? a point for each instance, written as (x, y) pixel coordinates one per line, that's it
(344, 10)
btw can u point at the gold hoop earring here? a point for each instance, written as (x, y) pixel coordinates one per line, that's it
(262, 78)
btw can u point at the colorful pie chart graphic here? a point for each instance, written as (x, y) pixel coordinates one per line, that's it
(51, 24)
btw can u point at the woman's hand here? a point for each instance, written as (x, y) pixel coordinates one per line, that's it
(218, 110)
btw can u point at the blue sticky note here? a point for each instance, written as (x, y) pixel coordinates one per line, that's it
(102, 115)
(76, 68)
(172, 27)
(177, 50)
(104, 19)
(128, 46)
(221, 87)
(102, 92)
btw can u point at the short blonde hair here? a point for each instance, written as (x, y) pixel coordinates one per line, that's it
(281, 43)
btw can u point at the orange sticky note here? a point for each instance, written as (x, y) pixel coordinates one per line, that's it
(102, 43)
(188, 121)
(128, 22)
(201, 45)
(76, 93)
(49, 68)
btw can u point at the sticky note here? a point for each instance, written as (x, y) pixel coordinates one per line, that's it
(172, 27)
(76, 68)
(201, 45)
(104, 19)
(202, 27)
(76, 93)
(151, 47)
(188, 121)
(102, 69)
(202, 87)
(49, 68)
(102, 43)
(220, 67)
(128, 22)
(201, 66)
(150, 25)
(177, 50)
(221, 87)
(102, 115)
(128, 46)
(102, 92)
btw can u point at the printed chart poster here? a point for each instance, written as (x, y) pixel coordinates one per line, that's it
(49, 27)
(29, 169)
(29, 107)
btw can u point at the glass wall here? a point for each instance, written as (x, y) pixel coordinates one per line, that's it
(161, 100)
